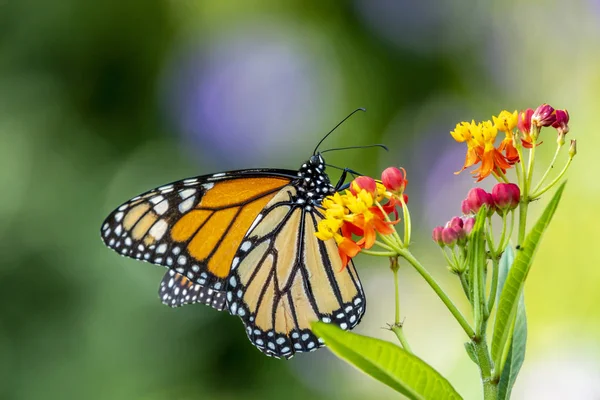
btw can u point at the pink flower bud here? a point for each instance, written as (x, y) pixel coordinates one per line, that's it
(476, 198)
(450, 236)
(524, 123)
(506, 196)
(363, 182)
(437, 235)
(456, 223)
(468, 225)
(394, 179)
(544, 115)
(464, 207)
(561, 123)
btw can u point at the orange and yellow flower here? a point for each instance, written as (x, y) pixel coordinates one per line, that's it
(480, 140)
(355, 217)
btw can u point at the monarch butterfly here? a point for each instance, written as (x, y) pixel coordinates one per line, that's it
(243, 241)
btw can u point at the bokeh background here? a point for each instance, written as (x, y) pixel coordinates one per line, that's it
(100, 101)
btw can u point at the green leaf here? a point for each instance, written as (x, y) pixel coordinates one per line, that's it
(471, 352)
(515, 280)
(516, 353)
(388, 363)
(476, 259)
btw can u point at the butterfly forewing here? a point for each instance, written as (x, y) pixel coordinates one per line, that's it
(193, 227)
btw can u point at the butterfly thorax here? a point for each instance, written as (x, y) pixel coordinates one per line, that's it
(313, 184)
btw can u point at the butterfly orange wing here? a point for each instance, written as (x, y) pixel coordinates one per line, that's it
(193, 227)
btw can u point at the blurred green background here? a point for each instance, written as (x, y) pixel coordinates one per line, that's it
(102, 100)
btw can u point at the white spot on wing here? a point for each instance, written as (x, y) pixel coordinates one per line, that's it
(246, 245)
(158, 230)
(119, 216)
(186, 205)
(187, 193)
(161, 207)
(161, 248)
(220, 174)
(157, 199)
(208, 186)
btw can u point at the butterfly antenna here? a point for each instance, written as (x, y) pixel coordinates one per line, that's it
(382, 146)
(335, 127)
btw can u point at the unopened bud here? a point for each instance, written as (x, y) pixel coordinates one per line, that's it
(524, 122)
(436, 235)
(562, 122)
(573, 148)
(544, 115)
(450, 236)
(478, 197)
(468, 225)
(506, 196)
(363, 183)
(394, 179)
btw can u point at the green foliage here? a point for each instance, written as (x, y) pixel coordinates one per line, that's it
(476, 265)
(508, 304)
(516, 353)
(388, 363)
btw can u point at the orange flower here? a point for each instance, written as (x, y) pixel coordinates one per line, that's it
(480, 139)
(355, 217)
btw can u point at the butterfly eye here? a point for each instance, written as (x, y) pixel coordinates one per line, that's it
(315, 160)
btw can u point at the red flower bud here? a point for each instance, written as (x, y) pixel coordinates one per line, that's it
(561, 123)
(506, 196)
(450, 236)
(394, 179)
(468, 225)
(363, 182)
(524, 122)
(544, 115)
(476, 198)
(437, 235)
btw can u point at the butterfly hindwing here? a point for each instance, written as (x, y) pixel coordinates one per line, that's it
(193, 226)
(283, 278)
(176, 290)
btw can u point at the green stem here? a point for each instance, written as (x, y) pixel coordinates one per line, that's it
(464, 284)
(537, 187)
(502, 235)
(379, 253)
(494, 287)
(448, 260)
(531, 160)
(395, 233)
(522, 218)
(407, 221)
(500, 176)
(383, 245)
(490, 385)
(554, 182)
(395, 267)
(397, 329)
(407, 255)
(397, 326)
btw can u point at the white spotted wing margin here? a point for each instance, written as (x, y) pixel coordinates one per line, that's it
(176, 290)
(283, 278)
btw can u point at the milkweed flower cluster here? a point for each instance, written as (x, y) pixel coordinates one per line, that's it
(521, 130)
(368, 208)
